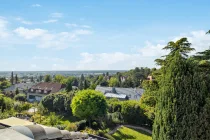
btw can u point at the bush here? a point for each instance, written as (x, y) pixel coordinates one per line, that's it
(47, 102)
(71, 127)
(126, 112)
(5, 103)
(20, 97)
(21, 106)
(81, 125)
(132, 113)
(58, 102)
(90, 131)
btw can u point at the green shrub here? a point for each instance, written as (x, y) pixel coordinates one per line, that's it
(20, 97)
(81, 124)
(71, 127)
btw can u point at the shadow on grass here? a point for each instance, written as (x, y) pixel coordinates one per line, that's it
(121, 135)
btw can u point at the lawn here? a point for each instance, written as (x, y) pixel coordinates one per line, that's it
(125, 133)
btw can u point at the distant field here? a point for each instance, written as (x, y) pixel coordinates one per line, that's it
(125, 133)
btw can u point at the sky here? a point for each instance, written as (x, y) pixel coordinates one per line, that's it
(39, 35)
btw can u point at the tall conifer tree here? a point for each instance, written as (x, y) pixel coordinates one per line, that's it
(182, 109)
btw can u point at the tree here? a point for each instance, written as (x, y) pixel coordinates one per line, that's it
(113, 82)
(32, 79)
(16, 79)
(40, 78)
(89, 105)
(48, 78)
(4, 84)
(58, 102)
(182, 46)
(20, 97)
(16, 91)
(12, 79)
(86, 84)
(59, 78)
(69, 85)
(47, 102)
(181, 107)
(82, 77)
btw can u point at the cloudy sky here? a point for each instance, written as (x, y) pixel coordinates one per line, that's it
(96, 35)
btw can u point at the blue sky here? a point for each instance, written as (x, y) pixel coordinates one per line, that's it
(96, 35)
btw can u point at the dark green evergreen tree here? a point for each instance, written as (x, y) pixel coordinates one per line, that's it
(16, 91)
(182, 107)
(69, 86)
(16, 79)
(12, 79)
(82, 77)
(86, 84)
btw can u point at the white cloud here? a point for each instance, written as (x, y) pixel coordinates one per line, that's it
(83, 32)
(144, 56)
(29, 33)
(45, 39)
(73, 25)
(114, 61)
(50, 21)
(3, 28)
(24, 21)
(36, 5)
(57, 15)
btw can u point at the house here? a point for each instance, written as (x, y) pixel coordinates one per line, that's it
(38, 91)
(121, 93)
(22, 87)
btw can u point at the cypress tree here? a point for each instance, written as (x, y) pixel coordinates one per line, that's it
(12, 78)
(183, 103)
(16, 79)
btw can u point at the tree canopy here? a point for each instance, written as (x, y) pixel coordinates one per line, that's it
(89, 104)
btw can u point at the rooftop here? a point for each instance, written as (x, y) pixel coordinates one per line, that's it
(52, 87)
(132, 93)
(13, 121)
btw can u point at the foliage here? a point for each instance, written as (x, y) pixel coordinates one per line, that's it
(47, 102)
(4, 84)
(54, 119)
(5, 103)
(113, 82)
(20, 97)
(181, 46)
(90, 131)
(71, 127)
(129, 112)
(59, 78)
(148, 99)
(48, 78)
(69, 85)
(89, 104)
(182, 103)
(125, 133)
(22, 106)
(58, 102)
(132, 113)
(81, 125)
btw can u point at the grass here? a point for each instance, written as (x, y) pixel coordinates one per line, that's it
(69, 119)
(125, 133)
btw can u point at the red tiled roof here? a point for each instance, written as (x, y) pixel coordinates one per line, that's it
(53, 87)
